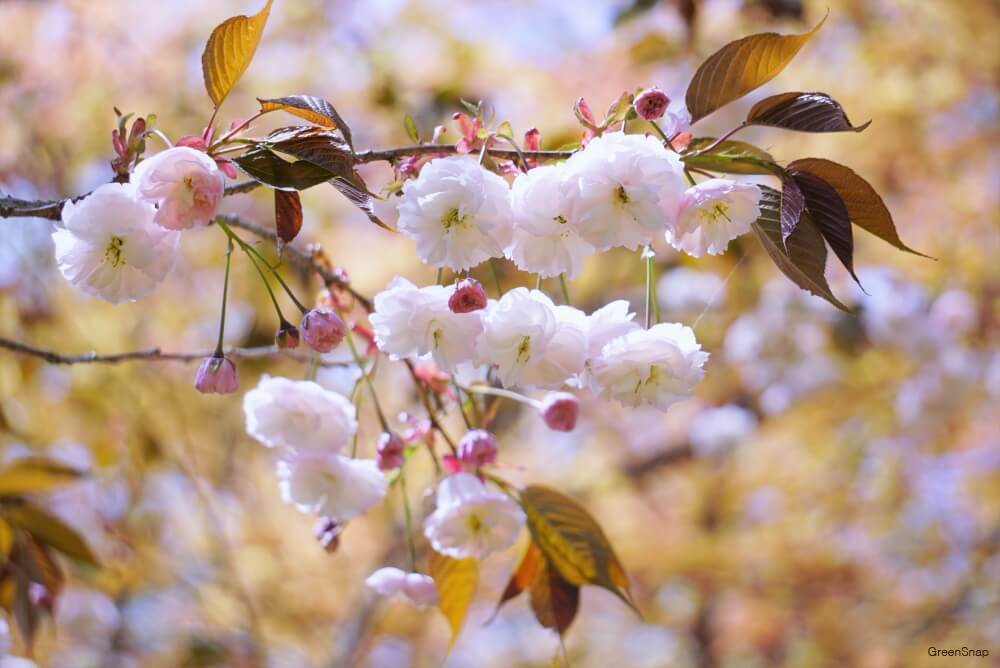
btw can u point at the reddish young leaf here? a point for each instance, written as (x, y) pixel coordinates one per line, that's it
(830, 214)
(805, 112)
(313, 109)
(287, 216)
(793, 202)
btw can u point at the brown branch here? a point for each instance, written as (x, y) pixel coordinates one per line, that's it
(152, 354)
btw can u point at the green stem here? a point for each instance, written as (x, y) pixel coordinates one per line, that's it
(440, 276)
(411, 549)
(649, 288)
(538, 281)
(364, 374)
(461, 404)
(500, 392)
(496, 277)
(565, 290)
(225, 292)
(251, 251)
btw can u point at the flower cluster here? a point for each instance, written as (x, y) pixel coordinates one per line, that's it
(620, 190)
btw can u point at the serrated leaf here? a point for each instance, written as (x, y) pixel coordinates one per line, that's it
(411, 129)
(264, 166)
(287, 216)
(553, 600)
(31, 475)
(830, 215)
(229, 50)
(805, 112)
(456, 581)
(313, 109)
(802, 257)
(729, 157)
(793, 202)
(865, 206)
(739, 67)
(573, 541)
(50, 530)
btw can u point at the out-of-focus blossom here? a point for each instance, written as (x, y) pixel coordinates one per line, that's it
(478, 447)
(546, 238)
(109, 246)
(89, 616)
(717, 430)
(560, 411)
(217, 375)
(298, 414)
(184, 184)
(516, 333)
(457, 212)
(470, 520)
(389, 451)
(333, 486)
(656, 366)
(628, 188)
(713, 213)
(685, 289)
(417, 588)
(322, 329)
(409, 321)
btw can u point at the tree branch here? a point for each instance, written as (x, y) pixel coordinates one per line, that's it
(152, 354)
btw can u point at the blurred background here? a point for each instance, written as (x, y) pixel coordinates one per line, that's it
(830, 497)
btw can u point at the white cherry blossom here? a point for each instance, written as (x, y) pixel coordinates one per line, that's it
(517, 330)
(185, 185)
(713, 213)
(330, 485)
(298, 414)
(471, 520)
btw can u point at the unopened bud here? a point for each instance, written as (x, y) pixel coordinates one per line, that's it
(560, 411)
(287, 336)
(322, 329)
(217, 375)
(468, 296)
(327, 533)
(651, 104)
(389, 452)
(477, 448)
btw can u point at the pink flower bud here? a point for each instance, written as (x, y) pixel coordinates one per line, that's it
(532, 140)
(468, 296)
(560, 411)
(420, 589)
(477, 448)
(327, 533)
(287, 336)
(389, 452)
(651, 104)
(322, 329)
(217, 375)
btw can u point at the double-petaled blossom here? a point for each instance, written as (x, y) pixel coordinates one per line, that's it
(517, 330)
(566, 353)
(110, 248)
(656, 366)
(409, 321)
(298, 414)
(417, 588)
(471, 520)
(546, 239)
(711, 214)
(330, 485)
(184, 184)
(457, 212)
(627, 186)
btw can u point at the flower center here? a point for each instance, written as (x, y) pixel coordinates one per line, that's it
(475, 523)
(716, 211)
(560, 219)
(524, 350)
(651, 379)
(113, 252)
(622, 195)
(437, 334)
(453, 218)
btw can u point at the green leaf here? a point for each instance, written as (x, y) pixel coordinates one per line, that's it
(456, 581)
(505, 130)
(31, 475)
(313, 109)
(729, 157)
(739, 67)
(50, 530)
(229, 50)
(865, 206)
(573, 542)
(287, 216)
(411, 129)
(553, 600)
(805, 112)
(802, 257)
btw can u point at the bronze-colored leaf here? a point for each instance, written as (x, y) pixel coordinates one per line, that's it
(26, 615)
(729, 157)
(802, 257)
(313, 109)
(793, 202)
(553, 600)
(739, 67)
(50, 530)
(6, 539)
(865, 206)
(287, 216)
(456, 581)
(30, 475)
(523, 575)
(573, 542)
(265, 166)
(830, 215)
(229, 50)
(805, 112)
